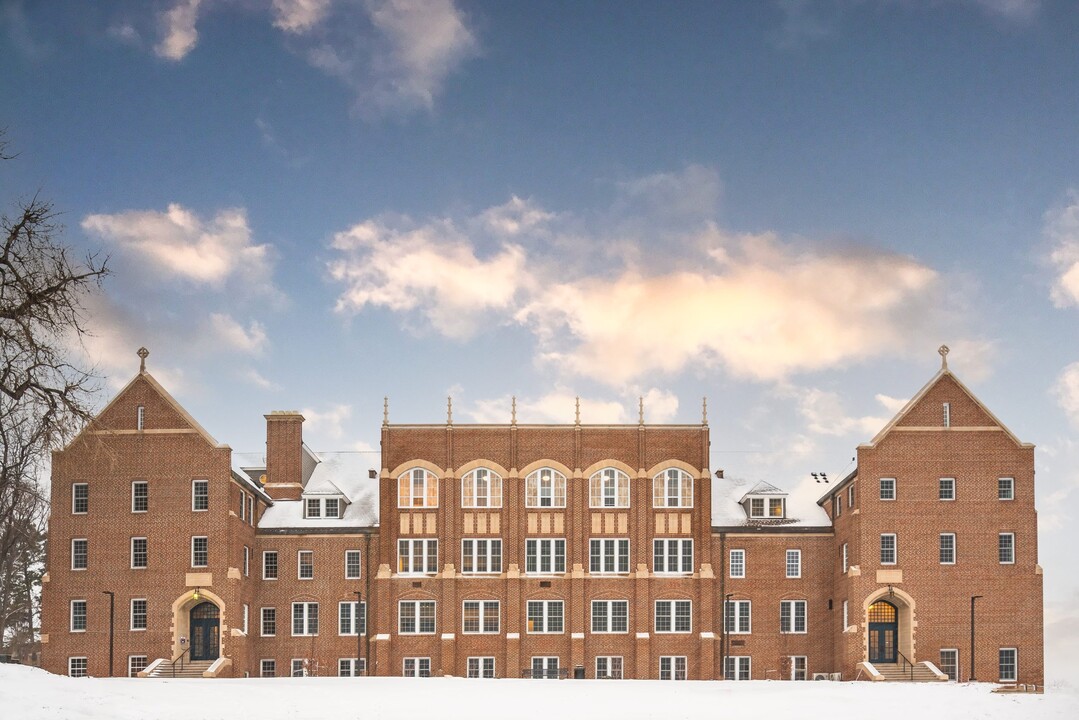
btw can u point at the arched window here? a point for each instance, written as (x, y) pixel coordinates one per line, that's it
(609, 488)
(545, 488)
(481, 488)
(672, 488)
(417, 488)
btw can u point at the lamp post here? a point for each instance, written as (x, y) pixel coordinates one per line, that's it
(726, 633)
(972, 599)
(112, 620)
(356, 627)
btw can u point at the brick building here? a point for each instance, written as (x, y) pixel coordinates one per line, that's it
(540, 550)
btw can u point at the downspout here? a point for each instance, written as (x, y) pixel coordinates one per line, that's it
(723, 649)
(370, 604)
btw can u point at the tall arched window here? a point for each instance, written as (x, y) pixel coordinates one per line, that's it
(417, 488)
(545, 488)
(481, 488)
(608, 488)
(672, 488)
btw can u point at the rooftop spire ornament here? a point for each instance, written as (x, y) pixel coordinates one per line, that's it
(143, 353)
(704, 410)
(943, 350)
(386, 410)
(640, 410)
(513, 410)
(577, 418)
(449, 410)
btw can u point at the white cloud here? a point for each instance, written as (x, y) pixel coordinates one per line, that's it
(226, 331)
(515, 217)
(328, 423)
(1062, 230)
(660, 406)
(824, 414)
(178, 33)
(257, 379)
(891, 404)
(1067, 392)
(124, 32)
(557, 406)
(298, 16)
(178, 242)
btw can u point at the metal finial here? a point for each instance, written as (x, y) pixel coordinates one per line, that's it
(943, 356)
(143, 353)
(386, 410)
(513, 410)
(449, 410)
(704, 410)
(577, 419)
(640, 410)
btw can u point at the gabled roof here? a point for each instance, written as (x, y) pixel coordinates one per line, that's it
(763, 488)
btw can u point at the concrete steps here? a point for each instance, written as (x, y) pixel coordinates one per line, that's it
(902, 673)
(192, 669)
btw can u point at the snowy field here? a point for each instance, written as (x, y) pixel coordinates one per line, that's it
(28, 694)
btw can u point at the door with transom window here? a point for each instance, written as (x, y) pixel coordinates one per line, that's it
(883, 632)
(205, 631)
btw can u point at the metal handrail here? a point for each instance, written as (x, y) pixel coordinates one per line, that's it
(907, 661)
(179, 660)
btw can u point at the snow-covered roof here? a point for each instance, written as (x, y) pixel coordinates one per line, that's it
(763, 488)
(728, 511)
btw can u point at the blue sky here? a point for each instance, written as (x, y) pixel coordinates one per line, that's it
(786, 206)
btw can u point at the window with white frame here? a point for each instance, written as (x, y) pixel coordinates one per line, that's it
(352, 565)
(246, 617)
(738, 563)
(545, 487)
(794, 563)
(756, 507)
(850, 496)
(416, 667)
(846, 616)
(267, 668)
(313, 508)
(304, 618)
(672, 488)
(1009, 664)
(481, 556)
(76, 666)
(887, 488)
(737, 667)
(609, 667)
(608, 488)
(247, 561)
(545, 616)
(243, 507)
(200, 495)
(139, 553)
(1005, 488)
(798, 667)
(610, 616)
(837, 505)
(949, 662)
(889, 553)
(78, 616)
(737, 617)
(251, 510)
(140, 417)
(947, 548)
(80, 498)
(674, 616)
(946, 409)
(792, 616)
(1006, 548)
(777, 507)
(200, 551)
(417, 557)
(136, 664)
(672, 667)
(416, 617)
(481, 667)
(770, 507)
(545, 555)
(480, 617)
(140, 496)
(350, 620)
(269, 564)
(417, 488)
(268, 622)
(351, 667)
(608, 555)
(672, 556)
(299, 667)
(844, 557)
(138, 614)
(331, 507)
(79, 553)
(545, 667)
(481, 488)
(305, 565)
(946, 488)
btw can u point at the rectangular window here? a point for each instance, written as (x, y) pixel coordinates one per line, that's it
(794, 563)
(79, 554)
(947, 411)
(351, 667)
(610, 616)
(348, 622)
(269, 565)
(268, 622)
(946, 489)
(545, 616)
(314, 507)
(846, 616)
(775, 507)
(481, 556)
(1009, 668)
(305, 565)
(792, 616)
(76, 666)
(246, 617)
(889, 554)
(417, 557)
(416, 617)
(136, 664)
(139, 553)
(736, 667)
(672, 667)
(545, 556)
(140, 418)
(299, 667)
(672, 557)
(78, 616)
(243, 507)
(737, 619)
(200, 551)
(798, 667)
(140, 496)
(200, 495)
(850, 496)
(352, 564)
(844, 557)
(738, 563)
(756, 507)
(416, 667)
(949, 663)
(480, 616)
(80, 498)
(138, 614)
(947, 548)
(674, 616)
(1006, 548)
(267, 668)
(608, 555)
(333, 507)
(251, 510)
(887, 488)
(304, 618)
(247, 561)
(609, 667)
(1005, 488)
(545, 667)
(481, 667)
(837, 505)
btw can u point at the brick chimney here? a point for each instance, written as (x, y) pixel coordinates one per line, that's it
(284, 464)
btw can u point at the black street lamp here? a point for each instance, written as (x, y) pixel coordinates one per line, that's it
(972, 599)
(356, 627)
(112, 621)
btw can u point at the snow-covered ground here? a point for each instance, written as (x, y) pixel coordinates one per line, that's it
(29, 693)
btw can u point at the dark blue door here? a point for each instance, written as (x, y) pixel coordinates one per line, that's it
(205, 632)
(883, 632)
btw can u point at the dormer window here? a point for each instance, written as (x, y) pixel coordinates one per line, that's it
(314, 507)
(756, 507)
(775, 508)
(332, 507)
(318, 507)
(772, 508)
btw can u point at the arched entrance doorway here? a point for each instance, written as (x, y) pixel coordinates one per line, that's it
(205, 631)
(883, 632)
